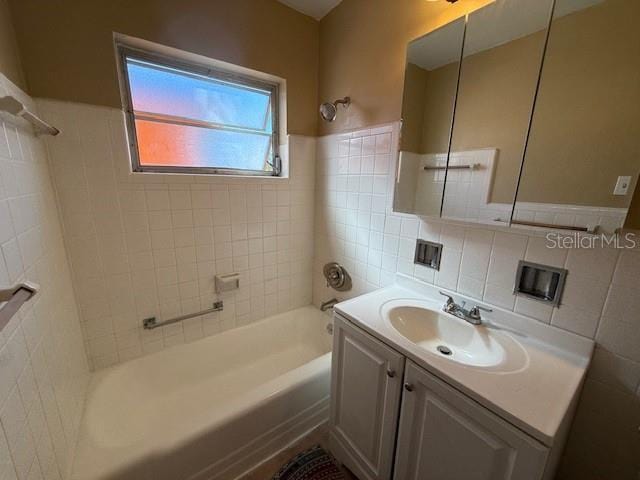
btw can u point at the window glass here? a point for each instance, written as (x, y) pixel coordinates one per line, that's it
(199, 120)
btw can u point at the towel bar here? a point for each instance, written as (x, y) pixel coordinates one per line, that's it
(13, 106)
(151, 322)
(14, 298)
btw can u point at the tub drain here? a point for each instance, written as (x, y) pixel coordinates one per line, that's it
(444, 350)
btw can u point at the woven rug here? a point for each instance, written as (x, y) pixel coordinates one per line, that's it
(312, 464)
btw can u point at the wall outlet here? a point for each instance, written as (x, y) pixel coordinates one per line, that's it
(622, 185)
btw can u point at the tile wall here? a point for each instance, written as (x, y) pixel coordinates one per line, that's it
(149, 244)
(43, 366)
(355, 226)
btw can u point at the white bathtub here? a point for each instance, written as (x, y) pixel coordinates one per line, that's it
(208, 409)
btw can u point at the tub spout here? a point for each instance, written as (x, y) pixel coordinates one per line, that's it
(328, 304)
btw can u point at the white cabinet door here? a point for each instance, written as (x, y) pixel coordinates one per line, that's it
(446, 436)
(366, 382)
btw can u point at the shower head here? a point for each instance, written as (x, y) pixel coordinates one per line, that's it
(329, 111)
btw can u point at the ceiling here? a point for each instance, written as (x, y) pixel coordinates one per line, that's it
(314, 8)
(438, 48)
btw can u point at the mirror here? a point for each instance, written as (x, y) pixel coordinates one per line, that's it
(585, 131)
(503, 50)
(431, 77)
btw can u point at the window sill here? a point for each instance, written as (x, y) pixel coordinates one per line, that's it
(284, 176)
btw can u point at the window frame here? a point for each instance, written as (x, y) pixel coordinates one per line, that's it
(197, 70)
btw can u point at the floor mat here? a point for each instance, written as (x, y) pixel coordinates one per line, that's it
(313, 464)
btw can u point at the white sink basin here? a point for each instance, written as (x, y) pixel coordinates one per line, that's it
(524, 371)
(449, 337)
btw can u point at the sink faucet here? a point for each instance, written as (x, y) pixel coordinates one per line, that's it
(328, 304)
(472, 315)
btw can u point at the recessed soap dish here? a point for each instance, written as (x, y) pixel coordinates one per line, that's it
(540, 282)
(428, 254)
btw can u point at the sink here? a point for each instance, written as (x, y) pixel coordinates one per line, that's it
(449, 337)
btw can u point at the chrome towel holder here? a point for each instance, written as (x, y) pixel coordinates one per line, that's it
(15, 297)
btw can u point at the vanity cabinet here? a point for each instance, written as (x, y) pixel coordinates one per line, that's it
(445, 435)
(366, 384)
(441, 433)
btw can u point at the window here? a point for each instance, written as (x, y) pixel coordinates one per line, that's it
(188, 118)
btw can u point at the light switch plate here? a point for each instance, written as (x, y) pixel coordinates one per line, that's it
(622, 185)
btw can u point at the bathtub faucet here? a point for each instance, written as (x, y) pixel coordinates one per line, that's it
(328, 304)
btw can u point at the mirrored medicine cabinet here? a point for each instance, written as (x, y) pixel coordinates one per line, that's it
(525, 112)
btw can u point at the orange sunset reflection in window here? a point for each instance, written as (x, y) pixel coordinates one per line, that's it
(188, 120)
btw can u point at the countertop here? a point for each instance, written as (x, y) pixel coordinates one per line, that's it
(538, 397)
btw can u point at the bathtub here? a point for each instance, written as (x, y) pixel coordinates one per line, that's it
(210, 409)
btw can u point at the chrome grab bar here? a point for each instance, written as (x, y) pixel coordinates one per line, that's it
(15, 297)
(151, 322)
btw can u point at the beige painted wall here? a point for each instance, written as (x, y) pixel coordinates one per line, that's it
(67, 45)
(413, 101)
(587, 122)
(494, 106)
(363, 50)
(427, 108)
(438, 109)
(9, 57)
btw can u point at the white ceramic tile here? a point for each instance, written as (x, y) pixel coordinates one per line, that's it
(452, 236)
(409, 227)
(447, 276)
(32, 249)
(614, 370)
(181, 231)
(475, 254)
(499, 295)
(619, 337)
(429, 231)
(533, 308)
(582, 303)
(392, 225)
(539, 251)
(628, 266)
(597, 264)
(507, 251)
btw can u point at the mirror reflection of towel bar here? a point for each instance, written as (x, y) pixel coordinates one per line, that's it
(593, 229)
(14, 298)
(473, 166)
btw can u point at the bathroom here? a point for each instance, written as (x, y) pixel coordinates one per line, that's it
(429, 272)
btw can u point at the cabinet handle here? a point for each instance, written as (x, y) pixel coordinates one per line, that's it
(408, 387)
(391, 373)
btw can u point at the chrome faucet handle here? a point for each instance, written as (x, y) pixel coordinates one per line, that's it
(450, 304)
(449, 297)
(475, 311)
